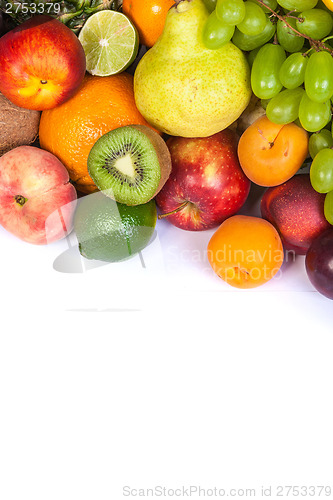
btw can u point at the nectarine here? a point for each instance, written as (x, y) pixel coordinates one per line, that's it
(42, 63)
(297, 212)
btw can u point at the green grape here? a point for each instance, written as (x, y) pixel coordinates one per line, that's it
(264, 103)
(215, 34)
(248, 42)
(328, 207)
(254, 21)
(290, 41)
(297, 5)
(230, 11)
(315, 23)
(283, 108)
(313, 115)
(320, 140)
(265, 71)
(270, 3)
(318, 78)
(210, 4)
(252, 55)
(321, 171)
(292, 70)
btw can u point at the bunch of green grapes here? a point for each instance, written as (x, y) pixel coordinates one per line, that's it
(288, 48)
(236, 19)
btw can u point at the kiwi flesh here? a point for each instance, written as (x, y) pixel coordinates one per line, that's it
(130, 164)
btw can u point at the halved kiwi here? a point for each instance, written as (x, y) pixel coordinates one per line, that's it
(130, 164)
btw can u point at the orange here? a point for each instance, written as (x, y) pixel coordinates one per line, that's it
(70, 130)
(245, 251)
(148, 17)
(270, 153)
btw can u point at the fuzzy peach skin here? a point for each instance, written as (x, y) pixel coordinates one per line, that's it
(37, 201)
(271, 153)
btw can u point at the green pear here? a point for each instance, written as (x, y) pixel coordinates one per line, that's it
(181, 87)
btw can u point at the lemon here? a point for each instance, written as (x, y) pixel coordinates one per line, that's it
(110, 42)
(110, 231)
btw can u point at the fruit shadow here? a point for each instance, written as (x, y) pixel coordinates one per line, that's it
(252, 203)
(72, 262)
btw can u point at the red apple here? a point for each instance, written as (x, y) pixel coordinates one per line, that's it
(206, 184)
(42, 63)
(37, 202)
(297, 212)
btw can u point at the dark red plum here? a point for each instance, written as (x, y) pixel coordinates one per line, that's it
(319, 263)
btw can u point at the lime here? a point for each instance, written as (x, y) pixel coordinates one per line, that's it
(110, 42)
(110, 231)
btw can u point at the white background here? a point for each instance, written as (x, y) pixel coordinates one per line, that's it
(153, 372)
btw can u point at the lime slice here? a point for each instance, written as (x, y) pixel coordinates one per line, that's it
(110, 42)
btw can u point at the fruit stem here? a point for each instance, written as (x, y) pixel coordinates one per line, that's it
(316, 44)
(181, 5)
(20, 199)
(178, 209)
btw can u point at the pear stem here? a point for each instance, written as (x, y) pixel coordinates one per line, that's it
(178, 209)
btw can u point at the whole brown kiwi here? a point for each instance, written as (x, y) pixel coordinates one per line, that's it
(18, 126)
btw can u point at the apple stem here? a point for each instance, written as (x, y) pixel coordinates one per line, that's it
(178, 209)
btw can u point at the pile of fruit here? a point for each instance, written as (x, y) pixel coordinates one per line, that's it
(103, 138)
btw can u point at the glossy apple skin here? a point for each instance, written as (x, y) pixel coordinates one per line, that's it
(206, 174)
(297, 212)
(319, 263)
(37, 201)
(42, 63)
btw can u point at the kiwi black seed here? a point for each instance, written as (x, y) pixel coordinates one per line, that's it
(130, 164)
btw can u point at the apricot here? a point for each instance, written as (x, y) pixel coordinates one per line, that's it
(271, 153)
(245, 251)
